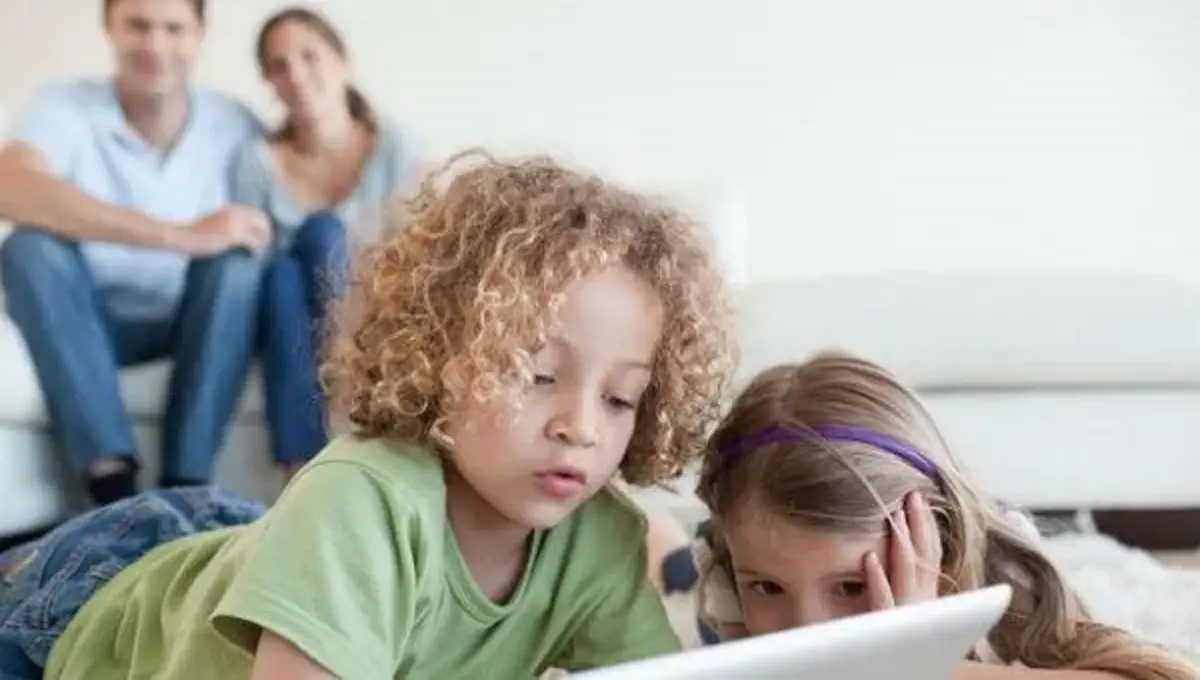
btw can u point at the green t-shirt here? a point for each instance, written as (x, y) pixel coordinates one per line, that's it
(356, 565)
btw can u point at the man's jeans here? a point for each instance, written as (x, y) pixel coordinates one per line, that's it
(78, 348)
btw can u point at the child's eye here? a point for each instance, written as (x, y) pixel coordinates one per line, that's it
(850, 589)
(765, 588)
(542, 379)
(619, 403)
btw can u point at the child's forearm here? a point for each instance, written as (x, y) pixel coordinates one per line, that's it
(979, 671)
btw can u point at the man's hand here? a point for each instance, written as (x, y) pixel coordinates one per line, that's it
(230, 227)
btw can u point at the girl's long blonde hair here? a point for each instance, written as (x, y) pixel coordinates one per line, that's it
(851, 486)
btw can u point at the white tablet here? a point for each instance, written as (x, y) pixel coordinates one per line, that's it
(916, 642)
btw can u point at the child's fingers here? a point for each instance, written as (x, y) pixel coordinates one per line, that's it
(902, 562)
(879, 591)
(922, 526)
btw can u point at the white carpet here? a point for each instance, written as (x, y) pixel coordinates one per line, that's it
(1130, 589)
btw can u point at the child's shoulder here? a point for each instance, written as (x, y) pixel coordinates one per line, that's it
(390, 457)
(407, 472)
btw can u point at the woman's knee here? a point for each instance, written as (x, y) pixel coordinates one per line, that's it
(285, 315)
(320, 237)
(282, 275)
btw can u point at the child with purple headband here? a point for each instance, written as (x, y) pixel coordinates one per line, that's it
(833, 494)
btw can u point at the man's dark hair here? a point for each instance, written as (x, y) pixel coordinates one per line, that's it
(198, 5)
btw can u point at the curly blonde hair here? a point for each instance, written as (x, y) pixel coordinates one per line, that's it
(448, 306)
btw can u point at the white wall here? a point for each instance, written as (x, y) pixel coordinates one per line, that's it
(865, 134)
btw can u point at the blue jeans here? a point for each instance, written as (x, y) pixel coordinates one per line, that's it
(298, 286)
(78, 348)
(45, 583)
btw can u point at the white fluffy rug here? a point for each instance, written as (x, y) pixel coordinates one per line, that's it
(1130, 589)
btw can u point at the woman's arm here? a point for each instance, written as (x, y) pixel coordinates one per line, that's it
(249, 175)
(278, 659)
(404, 165)
(979, 671)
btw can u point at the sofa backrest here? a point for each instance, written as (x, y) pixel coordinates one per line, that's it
(985, 330)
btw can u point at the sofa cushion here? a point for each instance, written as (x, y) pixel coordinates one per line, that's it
(143, 387)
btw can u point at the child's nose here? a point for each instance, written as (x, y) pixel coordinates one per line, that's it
(809, 610)
(575, 425)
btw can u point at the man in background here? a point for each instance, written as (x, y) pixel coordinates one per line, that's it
(128, 251)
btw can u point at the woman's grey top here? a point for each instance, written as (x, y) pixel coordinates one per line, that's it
(257, 183)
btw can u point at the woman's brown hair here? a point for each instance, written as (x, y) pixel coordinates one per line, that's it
(360, 109)
(446, 309)
(853, 487)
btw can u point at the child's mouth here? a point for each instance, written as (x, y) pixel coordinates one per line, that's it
(561, 482)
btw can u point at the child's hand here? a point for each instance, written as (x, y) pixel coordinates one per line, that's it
(914, 559)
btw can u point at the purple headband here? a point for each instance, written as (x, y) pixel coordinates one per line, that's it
(779, 435)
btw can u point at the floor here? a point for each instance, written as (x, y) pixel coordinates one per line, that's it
(1189, 559)
(1156, 596)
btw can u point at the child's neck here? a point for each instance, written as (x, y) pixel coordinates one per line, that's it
(493, 546)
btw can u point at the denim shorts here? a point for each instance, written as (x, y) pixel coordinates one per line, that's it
(43, 584)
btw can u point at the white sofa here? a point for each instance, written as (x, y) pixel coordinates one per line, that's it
(1058, 390)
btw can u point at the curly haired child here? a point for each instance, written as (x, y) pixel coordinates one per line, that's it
(529, 334)
(832, 494)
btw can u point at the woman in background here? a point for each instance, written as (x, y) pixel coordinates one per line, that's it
(324, 179)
